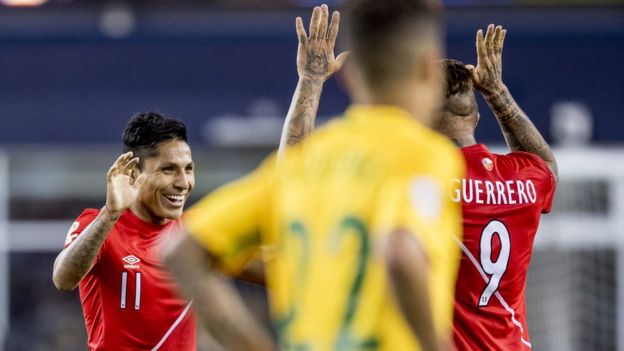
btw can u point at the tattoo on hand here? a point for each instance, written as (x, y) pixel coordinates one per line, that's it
(317, 64)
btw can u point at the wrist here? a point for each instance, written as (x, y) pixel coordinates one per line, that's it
(311, 79)
(496, 92)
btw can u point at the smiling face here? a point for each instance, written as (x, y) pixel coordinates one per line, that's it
(170, 179)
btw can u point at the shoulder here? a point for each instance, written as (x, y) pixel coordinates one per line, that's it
(435, 150)
(87, 215)
(527, 159)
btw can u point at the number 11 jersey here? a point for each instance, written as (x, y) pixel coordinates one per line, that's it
(502, 199)
(129, 300)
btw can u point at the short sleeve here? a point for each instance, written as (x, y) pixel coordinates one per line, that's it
(228, 222)
(418, 200)
(416, 194)
(539, 170)
(86, 217)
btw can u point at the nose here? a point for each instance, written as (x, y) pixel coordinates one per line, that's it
(181, 181)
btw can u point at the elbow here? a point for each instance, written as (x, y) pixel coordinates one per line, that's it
(555, 169)
(62, 283)
(403, 253)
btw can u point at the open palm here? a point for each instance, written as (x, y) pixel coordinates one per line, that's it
(315, 56)
(122, 189)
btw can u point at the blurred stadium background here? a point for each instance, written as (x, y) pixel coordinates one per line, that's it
(73, 72)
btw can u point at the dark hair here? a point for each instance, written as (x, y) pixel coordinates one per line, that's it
(460, 97)
(146, 130)
(457, 76)
(377, 31)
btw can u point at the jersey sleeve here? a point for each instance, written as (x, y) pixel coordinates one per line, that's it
(86, 217)
(80, 224)
(538, 169)
(228, 222)
(417, 200)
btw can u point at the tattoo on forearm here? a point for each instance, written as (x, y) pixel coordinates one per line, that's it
(80, 256)
(512, 142)
(518, 125)
(302, 115)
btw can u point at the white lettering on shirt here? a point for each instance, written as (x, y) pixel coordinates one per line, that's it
(486, 192)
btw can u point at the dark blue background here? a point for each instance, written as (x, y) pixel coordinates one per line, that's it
(61, 80)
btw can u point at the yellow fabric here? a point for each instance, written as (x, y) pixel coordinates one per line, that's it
(324, 210)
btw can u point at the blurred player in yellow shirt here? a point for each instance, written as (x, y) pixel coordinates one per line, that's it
(358, 216)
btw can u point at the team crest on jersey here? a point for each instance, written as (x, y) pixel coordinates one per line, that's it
(487, 163)
(131, 261)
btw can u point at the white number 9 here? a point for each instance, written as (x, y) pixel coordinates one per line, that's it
(498, 268)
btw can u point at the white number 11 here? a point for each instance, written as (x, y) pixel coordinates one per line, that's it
(498, 268)
(137, 290)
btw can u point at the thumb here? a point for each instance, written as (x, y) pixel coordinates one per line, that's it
(138, 183)
(473, 73)
(341, 59)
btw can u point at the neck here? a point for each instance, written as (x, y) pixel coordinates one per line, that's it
(145, 214)
(420, 106)
(463, 140)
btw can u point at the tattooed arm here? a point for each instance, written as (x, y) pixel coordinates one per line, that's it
(519, 132)
(315, 64)
(74, 262)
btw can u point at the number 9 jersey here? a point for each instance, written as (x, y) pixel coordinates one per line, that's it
(503, 197)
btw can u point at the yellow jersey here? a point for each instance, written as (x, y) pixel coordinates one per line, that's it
(324, 209)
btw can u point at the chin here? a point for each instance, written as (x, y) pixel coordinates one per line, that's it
(173, 215)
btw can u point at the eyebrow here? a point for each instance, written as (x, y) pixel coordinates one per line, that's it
(173, 164)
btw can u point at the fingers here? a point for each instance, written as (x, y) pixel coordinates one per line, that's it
(301, 33)
(131, 165)
(333, 28)
(315, 22)
(489, 36)
(473, 73)
(340, 60)
(496, 39)
(501, 41)
(481, 52)
(322, 34)
(123, 158)
(138, 183)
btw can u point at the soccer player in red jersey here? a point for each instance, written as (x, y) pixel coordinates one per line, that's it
(503, 197)
(128, 298)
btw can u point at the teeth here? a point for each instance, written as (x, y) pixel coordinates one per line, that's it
(175, 198)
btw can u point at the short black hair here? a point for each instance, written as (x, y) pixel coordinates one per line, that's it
(376, 31)
(458, 78)
(145, 131)
(460, 98)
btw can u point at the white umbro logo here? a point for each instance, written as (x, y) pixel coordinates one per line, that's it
(131, 261)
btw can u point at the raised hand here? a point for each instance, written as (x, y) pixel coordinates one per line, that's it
(315, 55)
(488, 75)
(123, 188)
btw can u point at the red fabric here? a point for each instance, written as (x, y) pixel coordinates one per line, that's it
(113, 327)
(508, 197)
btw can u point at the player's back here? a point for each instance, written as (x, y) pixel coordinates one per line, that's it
(337, 194)
(503, 197)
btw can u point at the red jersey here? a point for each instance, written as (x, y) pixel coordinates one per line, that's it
(128, 298)
(502, 198)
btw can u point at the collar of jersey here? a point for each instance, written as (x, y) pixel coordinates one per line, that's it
(382, 113)
(136, 222)
(476, 148)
